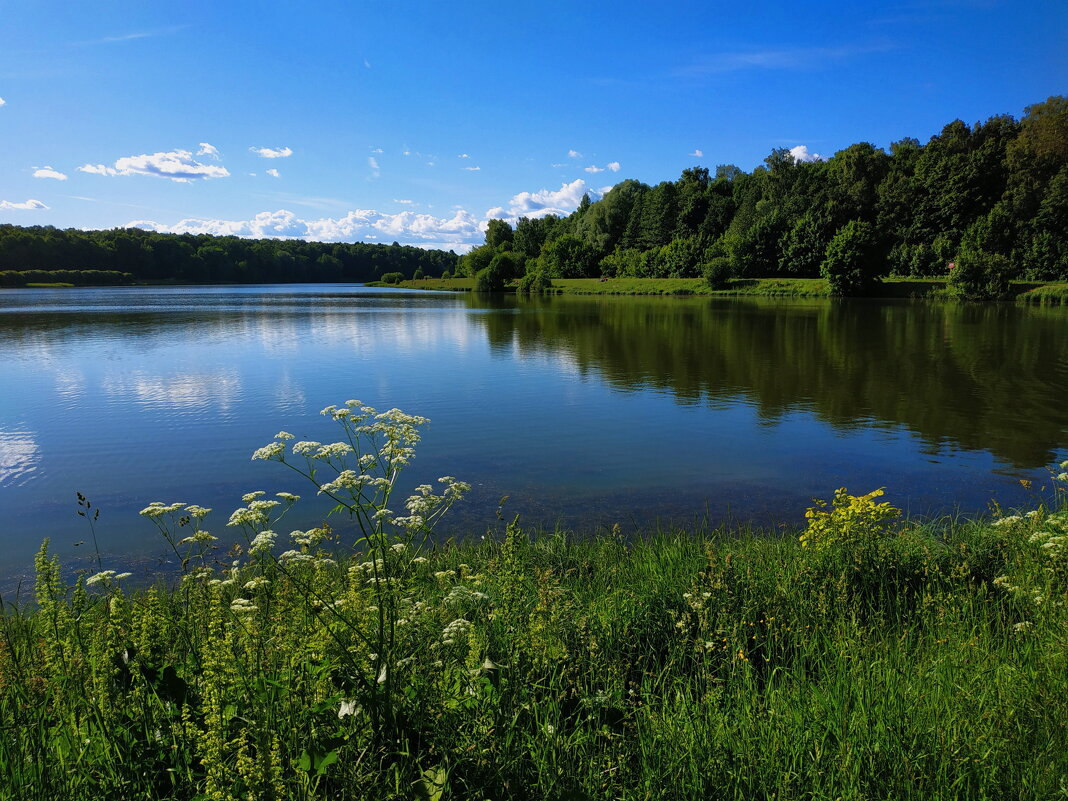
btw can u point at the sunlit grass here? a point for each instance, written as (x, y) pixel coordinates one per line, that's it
(875, 658)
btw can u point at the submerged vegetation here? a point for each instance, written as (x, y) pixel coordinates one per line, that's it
(870, 657)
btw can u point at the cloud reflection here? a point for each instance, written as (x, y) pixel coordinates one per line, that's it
(19, 455)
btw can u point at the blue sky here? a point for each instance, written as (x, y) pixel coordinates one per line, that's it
(415, 122)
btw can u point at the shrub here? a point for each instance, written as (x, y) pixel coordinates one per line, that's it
(392, 278)
(852, 520)
(490, 279)
(850, 263)
(718, 272)
(979, 276)
(534, 283)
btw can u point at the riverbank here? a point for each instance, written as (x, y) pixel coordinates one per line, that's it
(932, 288)
(882, 659)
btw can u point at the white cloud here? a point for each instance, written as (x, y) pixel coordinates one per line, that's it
(272, 153)
(574, 154)
(539, 204)
(372, 162)
(789, 58)
(177, 165)
(613, 166)
(367, 63)
(559, 165)
(801, 154)
(697, 153)
(208, 150)
(472, 169)
(593, 168)
(48, 172)
(3, 102)
(7, 205)
(377, 150)
(404, 202)
(458, 232)
(463, 156)
(273, 173)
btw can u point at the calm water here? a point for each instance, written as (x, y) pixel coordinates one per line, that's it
(586, 412)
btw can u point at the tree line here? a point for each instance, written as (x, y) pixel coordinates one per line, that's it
(45, 252)
(985, 203)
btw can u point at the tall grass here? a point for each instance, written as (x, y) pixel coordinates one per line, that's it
(880, 659)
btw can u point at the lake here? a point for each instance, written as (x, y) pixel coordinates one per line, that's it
(584, 411)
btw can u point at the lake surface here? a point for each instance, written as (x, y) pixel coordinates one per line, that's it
(584, 411)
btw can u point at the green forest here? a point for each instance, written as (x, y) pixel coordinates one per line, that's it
(991, 198)
(47, 254)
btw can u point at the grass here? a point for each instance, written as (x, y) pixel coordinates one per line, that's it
(869, 658)
(933, 288)
(916, 661)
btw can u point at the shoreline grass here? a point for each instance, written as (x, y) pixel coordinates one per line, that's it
(869, 657)
(729, 665)
(889, 288)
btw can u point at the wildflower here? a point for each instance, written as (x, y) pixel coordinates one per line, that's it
(268, 452)
(456, 630)
(306, 448)
(122, 576)
(258, 506)
(336, 450)
(283, 435)
(247, 517)
(256, 583)
(1007, 521)
(289, 497)
(249, 497)
(242, 606)
(197, 512)
(420, 560)
(102, 577)
(200, 537)
(398, 547)
(153, 510)
(1019, 628)
(263, 542)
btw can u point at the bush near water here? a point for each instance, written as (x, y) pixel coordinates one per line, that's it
(871, 657)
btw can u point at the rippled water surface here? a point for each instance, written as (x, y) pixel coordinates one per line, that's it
(583, 411)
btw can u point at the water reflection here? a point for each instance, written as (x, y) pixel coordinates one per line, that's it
(979, 376)
(19, 455)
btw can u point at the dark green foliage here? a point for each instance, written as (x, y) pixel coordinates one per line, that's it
(150, 256)
(498, 234)
(568, 256)
(476, 260)
(718, 272)
(491, 278)
(999, 187)
(9, 278)
(535, 282)
(977, 275)
(392, 278)
(851, 263)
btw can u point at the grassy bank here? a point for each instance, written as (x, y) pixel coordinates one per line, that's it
(871, 658)
(934, 288)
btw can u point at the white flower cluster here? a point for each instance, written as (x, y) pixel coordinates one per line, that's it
(242, 606)
(106, 577)
(262, 543)
(157, 509)
(199, 537)
(457, 630)
(463, 596)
